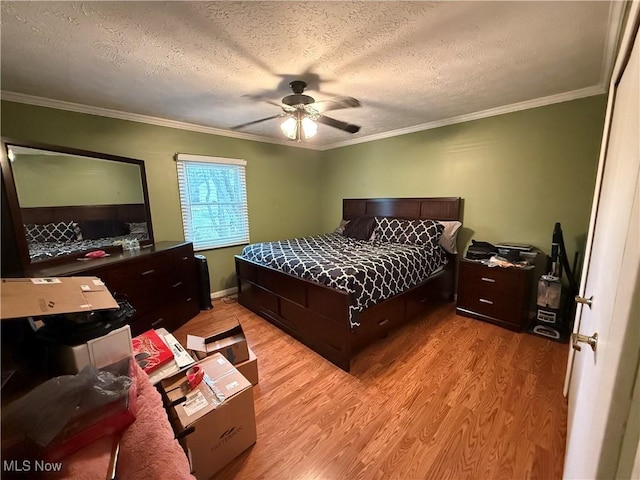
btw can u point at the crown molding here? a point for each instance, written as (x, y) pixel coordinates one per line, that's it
(134, 117)
(492, 112)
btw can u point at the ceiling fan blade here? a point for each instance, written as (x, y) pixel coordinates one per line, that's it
(237, 127)
(332, 122)
(337, 103)
(263, 99)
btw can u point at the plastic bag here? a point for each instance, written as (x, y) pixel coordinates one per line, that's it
(42, 413)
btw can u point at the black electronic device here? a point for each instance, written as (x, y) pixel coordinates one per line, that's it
(480, 250)
(512, 251)
(204, 288)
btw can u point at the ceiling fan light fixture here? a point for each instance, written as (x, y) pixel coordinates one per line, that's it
(290, 128)
(299, 127)
(309, 127)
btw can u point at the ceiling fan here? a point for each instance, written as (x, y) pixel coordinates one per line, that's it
(301, 112)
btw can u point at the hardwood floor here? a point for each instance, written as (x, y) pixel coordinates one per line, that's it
(444, 397)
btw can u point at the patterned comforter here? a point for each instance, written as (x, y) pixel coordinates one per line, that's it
(370, 271)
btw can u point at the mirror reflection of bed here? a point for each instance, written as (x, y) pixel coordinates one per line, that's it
(59, 231)
(71, 204)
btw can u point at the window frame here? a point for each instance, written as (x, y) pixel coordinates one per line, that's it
(183, 161)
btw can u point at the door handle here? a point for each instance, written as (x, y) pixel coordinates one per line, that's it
(585, 301)
(577, 338)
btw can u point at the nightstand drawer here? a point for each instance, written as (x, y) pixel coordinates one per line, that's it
(496, 305)
(490, 280)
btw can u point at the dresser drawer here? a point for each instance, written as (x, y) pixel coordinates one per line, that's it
(490, 279)
(183, 262)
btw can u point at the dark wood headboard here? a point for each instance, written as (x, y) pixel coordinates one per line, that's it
(131, 212)
(435, 208)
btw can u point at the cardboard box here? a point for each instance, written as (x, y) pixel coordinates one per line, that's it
(225, 337)
(249, 368)
(30, 297)
(99, 352)
(216, 421)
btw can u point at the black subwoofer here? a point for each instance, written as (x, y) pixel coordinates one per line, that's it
(204, 289)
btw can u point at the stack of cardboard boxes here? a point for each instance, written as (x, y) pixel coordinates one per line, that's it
(225, 336)
(215, 420)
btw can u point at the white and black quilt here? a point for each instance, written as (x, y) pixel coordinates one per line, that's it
(369, 271)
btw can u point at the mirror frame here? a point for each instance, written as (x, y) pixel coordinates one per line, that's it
(14, 204)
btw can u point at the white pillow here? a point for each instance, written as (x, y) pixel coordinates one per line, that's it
(449, 236)
(340, 229)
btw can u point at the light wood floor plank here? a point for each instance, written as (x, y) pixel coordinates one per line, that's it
(442, 397)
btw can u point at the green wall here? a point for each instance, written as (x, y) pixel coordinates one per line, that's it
(517, 173)
(282, 182)
(61, 180)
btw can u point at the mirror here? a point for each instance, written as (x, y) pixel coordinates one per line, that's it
(65, 202)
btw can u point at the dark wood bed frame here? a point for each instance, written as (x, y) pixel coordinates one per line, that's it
(318, 316)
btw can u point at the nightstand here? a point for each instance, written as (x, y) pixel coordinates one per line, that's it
(495, 294)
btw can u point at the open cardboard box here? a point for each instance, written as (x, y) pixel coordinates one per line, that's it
(30, 297)
(249, 368)
(224, 336)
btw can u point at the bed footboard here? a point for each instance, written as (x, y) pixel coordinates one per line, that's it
(313, 314)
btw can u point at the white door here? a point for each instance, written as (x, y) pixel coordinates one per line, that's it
(596, 416)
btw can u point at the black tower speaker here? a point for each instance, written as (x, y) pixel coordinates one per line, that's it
(204, 289)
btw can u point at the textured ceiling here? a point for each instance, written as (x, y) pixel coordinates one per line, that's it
(411, 64)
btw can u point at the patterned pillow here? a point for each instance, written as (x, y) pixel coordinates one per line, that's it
(415, 232)
(53, 232)
(360, 228)
(138, 228)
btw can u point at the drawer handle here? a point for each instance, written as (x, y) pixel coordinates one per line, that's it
(189, 299)
(486, 279)
(148, 272)
(488, 302)
(185, 258)
(177, 284)
(383, 321)
(153, 324)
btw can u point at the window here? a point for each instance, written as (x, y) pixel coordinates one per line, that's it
(213, 196)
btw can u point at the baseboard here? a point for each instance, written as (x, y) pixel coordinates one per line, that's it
(224, 293)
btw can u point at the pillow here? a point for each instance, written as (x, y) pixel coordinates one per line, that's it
(340, 228)
(52, 232)
(448, 239)
(94, 229)
(414, 232)
(360, 228)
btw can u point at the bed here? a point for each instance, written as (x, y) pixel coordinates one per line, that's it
(329, 319)
(54, 232)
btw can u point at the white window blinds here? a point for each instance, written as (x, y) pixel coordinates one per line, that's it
(213, 198)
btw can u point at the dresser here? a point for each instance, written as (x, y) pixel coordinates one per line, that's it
(160, 281)
(503, 296)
